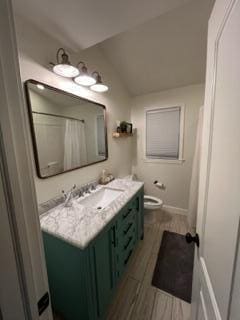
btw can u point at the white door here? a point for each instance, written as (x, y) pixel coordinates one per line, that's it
(23, 276)
(216, 288)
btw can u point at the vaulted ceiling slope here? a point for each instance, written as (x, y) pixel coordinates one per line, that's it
(79, 24)
(164, 53)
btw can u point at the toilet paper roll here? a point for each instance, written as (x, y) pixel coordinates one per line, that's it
(159, 185)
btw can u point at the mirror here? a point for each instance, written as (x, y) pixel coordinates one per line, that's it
(68, 132)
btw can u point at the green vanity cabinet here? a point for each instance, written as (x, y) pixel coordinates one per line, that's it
(83, 282)
(68, 277)
(127, 232)
(102, 262)
(140, 215)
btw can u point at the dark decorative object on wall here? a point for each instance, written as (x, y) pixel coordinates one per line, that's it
(123, 126)
(129, 128)
(126, 127)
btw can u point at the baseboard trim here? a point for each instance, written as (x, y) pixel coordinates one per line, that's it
(175, 210)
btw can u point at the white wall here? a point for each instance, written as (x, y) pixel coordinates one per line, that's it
(176, 177)
(36, 50)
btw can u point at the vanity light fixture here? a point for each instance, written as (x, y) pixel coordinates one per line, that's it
(98, 86)
(63, 66)
(78, 74)
(84, 78)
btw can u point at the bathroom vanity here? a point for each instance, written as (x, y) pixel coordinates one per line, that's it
(87, 250)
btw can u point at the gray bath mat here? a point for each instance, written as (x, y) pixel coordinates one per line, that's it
(174, 267)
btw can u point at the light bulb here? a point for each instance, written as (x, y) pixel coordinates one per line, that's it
(99, 87)
(66, 70)
(85, 80)
(40, 86)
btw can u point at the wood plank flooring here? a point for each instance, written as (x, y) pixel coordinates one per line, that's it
(136, 298)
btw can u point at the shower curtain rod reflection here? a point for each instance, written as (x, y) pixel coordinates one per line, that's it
(56, 115)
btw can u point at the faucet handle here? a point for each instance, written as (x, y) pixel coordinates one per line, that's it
(64, 194)
(93, 186)
(81, 192)
(84, 189)
(88, 188)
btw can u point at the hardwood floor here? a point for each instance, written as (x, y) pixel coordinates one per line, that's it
(136, 298)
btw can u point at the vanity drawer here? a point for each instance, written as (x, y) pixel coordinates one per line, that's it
(135, 203)
(127, 216)
(128, 227)
(127, 251)
(128, 213)
(128, 241)
(127, 231)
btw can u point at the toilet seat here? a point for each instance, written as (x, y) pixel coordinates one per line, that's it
(152, 202)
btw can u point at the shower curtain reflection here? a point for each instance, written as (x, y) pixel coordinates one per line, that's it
(75, 149)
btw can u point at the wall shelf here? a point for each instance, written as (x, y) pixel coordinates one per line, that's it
(121, 135)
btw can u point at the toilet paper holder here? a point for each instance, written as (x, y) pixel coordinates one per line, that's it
(159, 185)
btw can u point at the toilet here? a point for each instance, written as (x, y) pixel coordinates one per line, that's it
(150, 205)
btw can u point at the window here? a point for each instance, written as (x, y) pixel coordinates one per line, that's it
(164, 133)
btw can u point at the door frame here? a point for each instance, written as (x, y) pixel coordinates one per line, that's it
(17, 175)
(11, 275)
(219, 17)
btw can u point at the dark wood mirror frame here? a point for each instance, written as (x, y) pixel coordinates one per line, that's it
(34, 141)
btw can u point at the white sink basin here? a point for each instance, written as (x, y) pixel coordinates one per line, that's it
(101, 198)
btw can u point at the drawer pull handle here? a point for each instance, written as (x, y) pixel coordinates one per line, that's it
(125, 215)
(137, 203)
(129, 241)
(114, 236)
(129, 255)
(128, 228)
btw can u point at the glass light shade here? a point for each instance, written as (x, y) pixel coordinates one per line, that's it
(99, 87)
(85, 80)
(66, 70)
(40, 86)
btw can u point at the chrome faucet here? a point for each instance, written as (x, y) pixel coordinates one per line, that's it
(87, 188)
(68, 196)
(93, 186)
(81, 193)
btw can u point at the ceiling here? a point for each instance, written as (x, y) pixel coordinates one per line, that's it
(80, 24)
(166, 52)
(153, 45)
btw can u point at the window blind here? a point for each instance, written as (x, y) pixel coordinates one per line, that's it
(163, 133)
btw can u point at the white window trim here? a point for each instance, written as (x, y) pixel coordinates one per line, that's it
(180, 159)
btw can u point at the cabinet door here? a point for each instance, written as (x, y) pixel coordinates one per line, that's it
(68, 278)
(103, 261)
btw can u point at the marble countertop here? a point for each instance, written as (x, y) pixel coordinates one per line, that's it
(77, 224)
